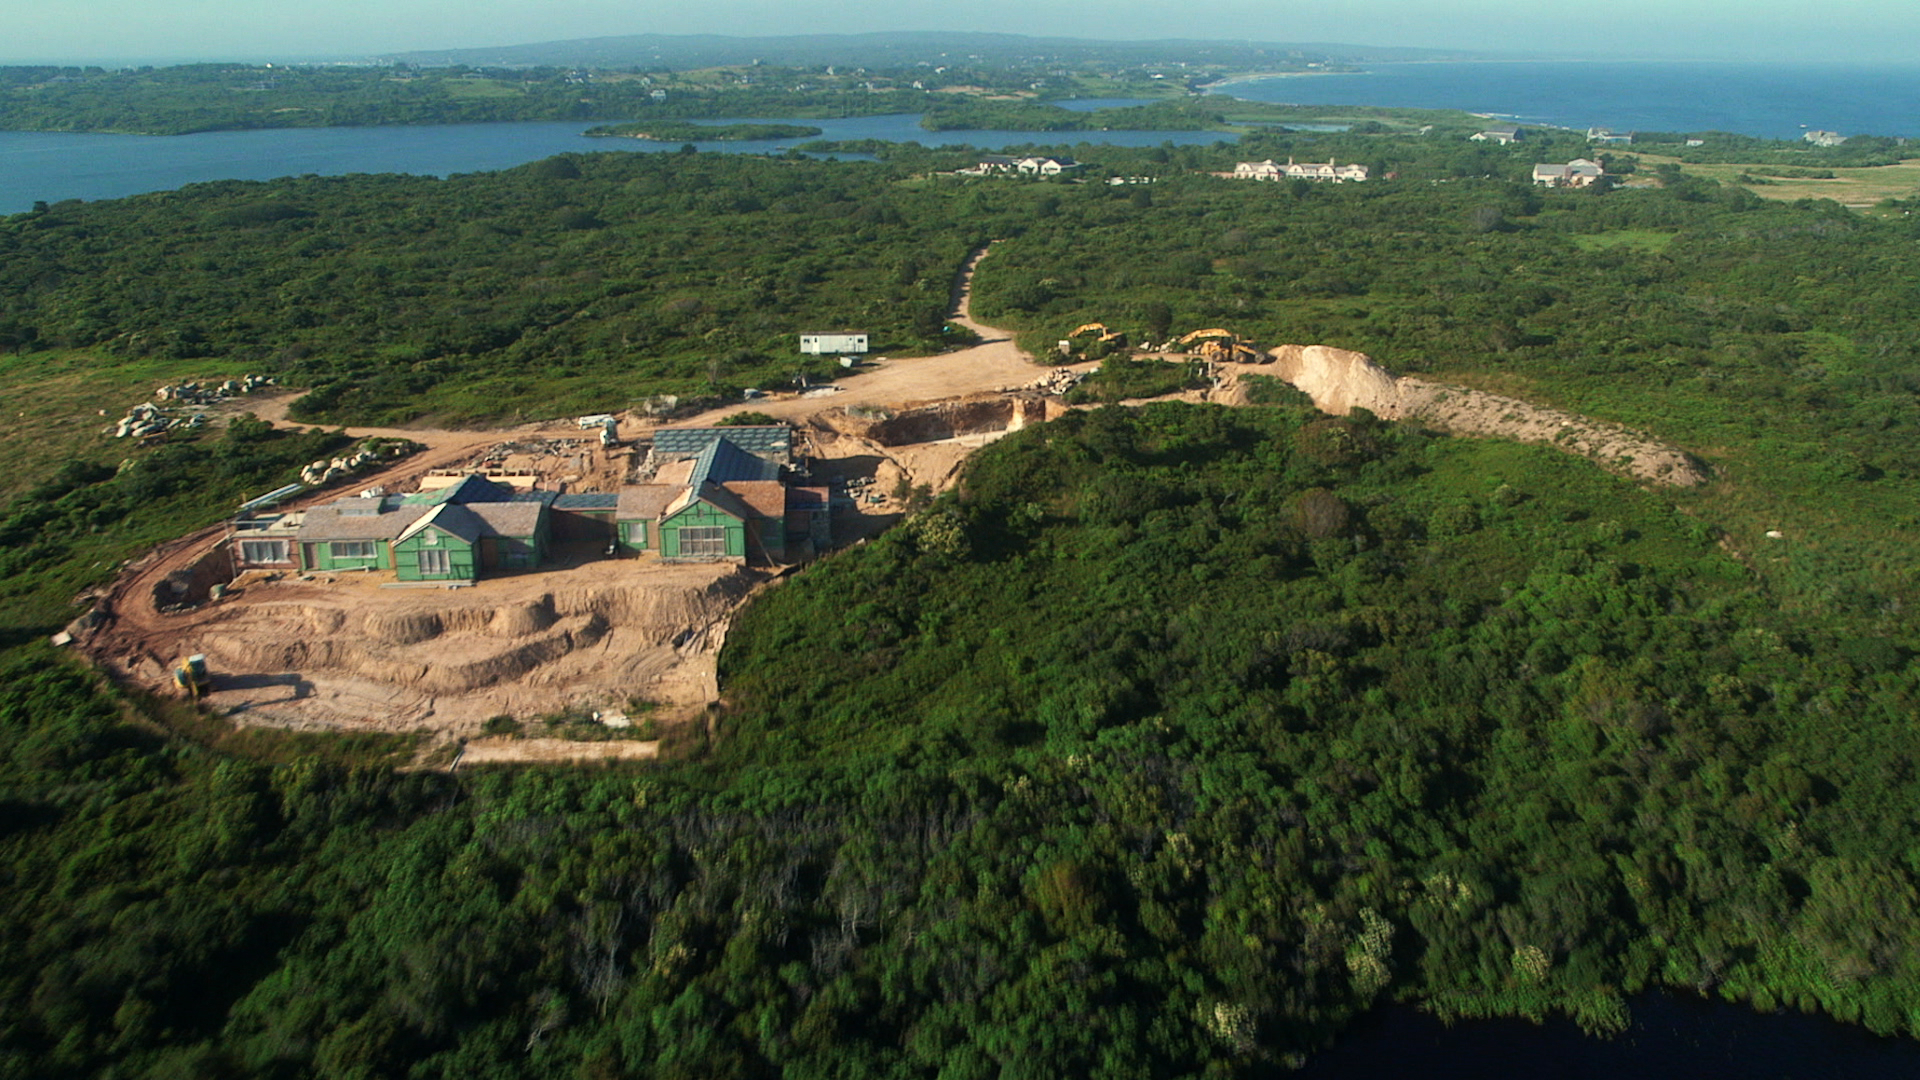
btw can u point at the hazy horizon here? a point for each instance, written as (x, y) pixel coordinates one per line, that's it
(177, 31)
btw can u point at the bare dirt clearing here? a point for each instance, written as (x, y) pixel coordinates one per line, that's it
(356, 652)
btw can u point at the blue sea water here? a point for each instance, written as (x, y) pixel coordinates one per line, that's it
(1778, 101)
(55, 166)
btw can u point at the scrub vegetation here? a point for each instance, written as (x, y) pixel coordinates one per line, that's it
(1169, 741)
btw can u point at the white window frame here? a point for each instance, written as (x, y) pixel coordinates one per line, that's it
(263, 551)
(440, 557)
(352, 549)
(703, 541)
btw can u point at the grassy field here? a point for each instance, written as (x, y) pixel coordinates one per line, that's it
(1849, 187)
(54, 404)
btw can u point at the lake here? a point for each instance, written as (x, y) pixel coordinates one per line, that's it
(54, 166)
(1779, 101)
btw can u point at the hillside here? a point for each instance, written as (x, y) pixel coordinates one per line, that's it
(1167, 742)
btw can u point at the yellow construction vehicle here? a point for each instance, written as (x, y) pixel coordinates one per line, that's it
(191, 675)
(1108, 337)
(1223, 346)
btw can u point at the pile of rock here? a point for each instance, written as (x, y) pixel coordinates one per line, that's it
(146, 421)
(193, 393)
(498, 455)
(1057, 381)
(326, 472)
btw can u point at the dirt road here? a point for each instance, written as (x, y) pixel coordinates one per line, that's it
(994, 364)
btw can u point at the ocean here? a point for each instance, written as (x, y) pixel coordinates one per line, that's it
(1773, 100)
(1777, 101)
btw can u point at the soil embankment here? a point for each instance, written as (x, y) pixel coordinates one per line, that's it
(358, 654)
(1339, 381)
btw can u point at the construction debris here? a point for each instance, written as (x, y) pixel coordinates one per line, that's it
(193, 393)
(369, 452)
(1057, 381)
(147, 420)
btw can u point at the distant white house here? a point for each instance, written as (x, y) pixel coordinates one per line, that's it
(1271, 170)
(988, 164)
(1044, 166)
(1824, 138)
(1577, 173)
(832, 344)
(1607, 136)
(1505, 136)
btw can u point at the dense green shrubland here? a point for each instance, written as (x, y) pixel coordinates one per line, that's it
(1167, 743)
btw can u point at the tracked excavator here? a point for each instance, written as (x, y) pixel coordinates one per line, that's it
(1223, 346)
(1113, 338)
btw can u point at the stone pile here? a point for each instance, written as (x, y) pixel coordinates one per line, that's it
(319, 473)
(194, 393)
(145, 421)
(1057, 381)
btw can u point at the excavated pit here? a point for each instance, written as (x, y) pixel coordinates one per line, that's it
(994, 415)
(351, 654)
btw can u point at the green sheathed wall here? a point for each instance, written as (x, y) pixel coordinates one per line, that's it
(325, 559)
(701, 514)
(462, 561)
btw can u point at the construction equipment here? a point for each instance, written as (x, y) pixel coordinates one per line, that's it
(1107, 337)
(191, 675)
(1223, 346)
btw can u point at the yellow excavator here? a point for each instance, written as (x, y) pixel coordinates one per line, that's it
(1223, 346)
(191, 675)
(1107, 337)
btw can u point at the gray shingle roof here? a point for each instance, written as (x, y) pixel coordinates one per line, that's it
(645, 501)
(508, 519)
(587, 500)
(327, 523)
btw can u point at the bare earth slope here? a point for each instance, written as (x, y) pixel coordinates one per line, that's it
(1339, 381)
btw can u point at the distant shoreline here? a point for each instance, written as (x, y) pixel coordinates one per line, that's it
(1261, 76)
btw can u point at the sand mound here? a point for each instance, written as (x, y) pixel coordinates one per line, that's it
(1339, 381)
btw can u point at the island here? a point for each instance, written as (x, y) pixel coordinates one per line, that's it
(683, 132)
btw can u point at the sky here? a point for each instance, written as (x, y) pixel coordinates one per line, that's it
(159, 31)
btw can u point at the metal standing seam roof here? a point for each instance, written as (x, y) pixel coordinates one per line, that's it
(754, 439)
(471, 488)
(448, 517)
(723, 462)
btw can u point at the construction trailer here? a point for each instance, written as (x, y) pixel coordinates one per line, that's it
(833, 344)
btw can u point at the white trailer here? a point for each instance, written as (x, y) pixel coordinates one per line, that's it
(832, 344)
